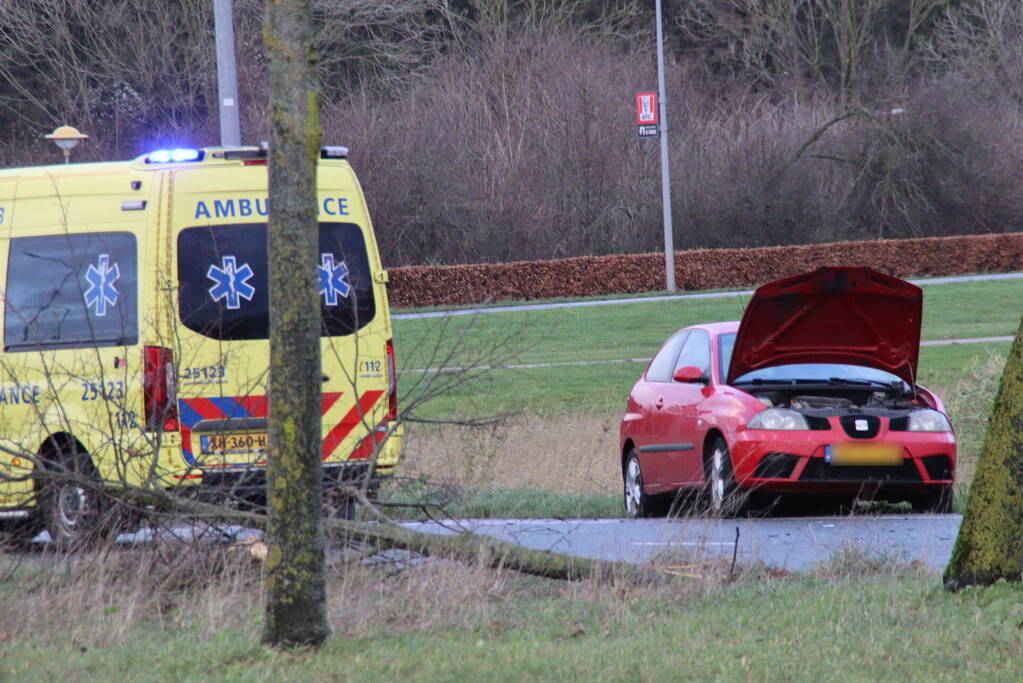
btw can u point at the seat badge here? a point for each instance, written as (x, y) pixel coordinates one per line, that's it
(861, 425)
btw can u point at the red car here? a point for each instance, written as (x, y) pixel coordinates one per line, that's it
(813, 392)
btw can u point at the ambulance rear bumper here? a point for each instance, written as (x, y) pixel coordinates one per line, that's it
(249, 483)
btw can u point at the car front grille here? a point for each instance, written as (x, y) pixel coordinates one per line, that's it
(819, 470)
(852, 423)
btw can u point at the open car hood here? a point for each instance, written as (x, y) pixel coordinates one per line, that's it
(832, 315)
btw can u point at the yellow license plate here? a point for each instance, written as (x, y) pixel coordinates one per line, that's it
(864, 454)
(233, 444)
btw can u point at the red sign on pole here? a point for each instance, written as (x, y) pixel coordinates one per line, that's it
(646, 108)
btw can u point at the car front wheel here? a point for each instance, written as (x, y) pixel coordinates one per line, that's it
(724, 496)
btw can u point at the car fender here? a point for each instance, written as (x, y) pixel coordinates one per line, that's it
(726, 410)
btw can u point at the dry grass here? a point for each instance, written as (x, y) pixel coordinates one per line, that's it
(96, 599)
(571, 453)
(576, 453)
(853, 561)
(969, 402)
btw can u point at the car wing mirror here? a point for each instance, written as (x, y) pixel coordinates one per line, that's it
(690, 374)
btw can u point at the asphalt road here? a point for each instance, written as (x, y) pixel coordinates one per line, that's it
(794, 544)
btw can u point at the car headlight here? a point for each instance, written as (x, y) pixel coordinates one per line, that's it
(928, 421)
(777, 418)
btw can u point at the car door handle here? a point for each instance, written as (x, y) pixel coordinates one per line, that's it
(660, 403)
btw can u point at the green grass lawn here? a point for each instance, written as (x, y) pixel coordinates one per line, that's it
(851, 621)
(960, 310)
(602, 388)
(964, 375)
(634, 330)
(139, 615)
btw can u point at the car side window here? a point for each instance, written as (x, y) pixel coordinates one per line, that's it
(661, 366)
(696, 351)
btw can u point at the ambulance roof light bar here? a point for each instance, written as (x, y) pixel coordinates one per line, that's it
(173, 156)
(244, 153)
(326, 152)
(333, 152)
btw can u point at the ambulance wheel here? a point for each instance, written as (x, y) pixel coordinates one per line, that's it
(71, 502)
(345, 508)
(338, 505)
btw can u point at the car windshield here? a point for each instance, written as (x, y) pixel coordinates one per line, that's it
(815, 373)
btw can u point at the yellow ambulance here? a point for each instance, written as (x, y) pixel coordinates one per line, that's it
(135, 322)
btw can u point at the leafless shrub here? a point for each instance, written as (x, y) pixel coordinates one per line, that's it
(504, 131)
(516, 148)
(982, 43)
(128, 72)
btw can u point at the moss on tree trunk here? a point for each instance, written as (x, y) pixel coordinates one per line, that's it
(990, 542)
(295, 584)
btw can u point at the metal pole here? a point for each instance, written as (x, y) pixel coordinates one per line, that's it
(669, 246)
(227, 77)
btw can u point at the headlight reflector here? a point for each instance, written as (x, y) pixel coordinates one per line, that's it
(777, 418)
(928, 420)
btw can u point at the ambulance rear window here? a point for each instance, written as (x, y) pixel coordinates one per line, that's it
(222, 280)
(68, 291)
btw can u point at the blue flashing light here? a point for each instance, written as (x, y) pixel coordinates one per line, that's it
(165, 156)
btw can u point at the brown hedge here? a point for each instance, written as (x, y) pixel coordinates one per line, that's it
(418, 286)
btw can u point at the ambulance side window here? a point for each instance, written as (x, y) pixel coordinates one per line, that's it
(223, 280)
(71, 291)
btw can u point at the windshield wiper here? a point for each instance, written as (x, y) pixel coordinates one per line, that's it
(897, 384)
(761, 380)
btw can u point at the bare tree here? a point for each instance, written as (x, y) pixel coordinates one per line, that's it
(296, 587)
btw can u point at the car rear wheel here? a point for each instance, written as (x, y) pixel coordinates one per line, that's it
(724, 496)
(637, 502)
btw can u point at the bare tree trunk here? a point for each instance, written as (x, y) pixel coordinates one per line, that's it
(296, 590)
(990, 542)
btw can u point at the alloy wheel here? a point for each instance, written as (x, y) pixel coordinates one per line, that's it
(633, 488)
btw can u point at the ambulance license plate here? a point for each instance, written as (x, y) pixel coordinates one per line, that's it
(864, 455)
(231, 444)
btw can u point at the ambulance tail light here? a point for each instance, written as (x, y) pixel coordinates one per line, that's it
(392, 383)
(160, 386)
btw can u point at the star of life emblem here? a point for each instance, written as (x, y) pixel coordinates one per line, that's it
(232, 283)
(332, 279)
(101, 279)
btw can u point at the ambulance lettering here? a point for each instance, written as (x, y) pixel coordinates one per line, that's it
(18, 394)
(335, 206)
(244, 207)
